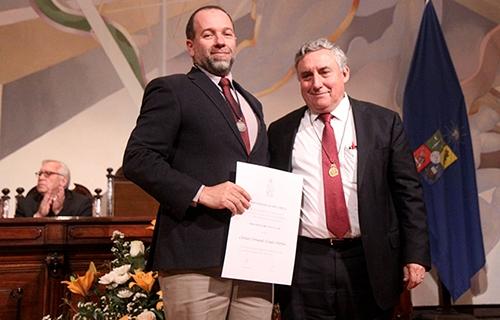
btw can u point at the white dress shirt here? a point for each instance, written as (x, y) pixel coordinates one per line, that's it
(306, 161)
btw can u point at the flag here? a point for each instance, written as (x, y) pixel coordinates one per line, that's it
(435, 120)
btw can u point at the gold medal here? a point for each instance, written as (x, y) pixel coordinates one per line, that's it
(333, 171)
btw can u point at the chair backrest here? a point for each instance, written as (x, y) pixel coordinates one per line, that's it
(82, 190)
(130, 200)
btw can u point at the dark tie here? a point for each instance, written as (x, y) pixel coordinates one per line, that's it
(337, 219)
(237, 113)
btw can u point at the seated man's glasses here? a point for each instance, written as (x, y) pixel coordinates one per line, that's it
(46, 174)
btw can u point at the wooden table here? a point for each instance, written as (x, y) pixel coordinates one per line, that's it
(36, 254)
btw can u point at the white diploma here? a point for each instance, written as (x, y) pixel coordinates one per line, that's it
(261, 242)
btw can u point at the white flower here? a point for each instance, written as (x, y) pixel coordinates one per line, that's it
(124, 293)
(146, 315)
(117, 234)
(106, 279)
(121, 269)
(117, 275)
(139, 295)
(136, 248)
(121, 279)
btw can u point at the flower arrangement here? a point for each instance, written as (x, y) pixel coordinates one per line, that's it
(126, 292)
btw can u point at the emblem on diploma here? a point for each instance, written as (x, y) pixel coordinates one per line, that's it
(333, 171)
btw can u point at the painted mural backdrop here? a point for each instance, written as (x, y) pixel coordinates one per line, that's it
(72, 73)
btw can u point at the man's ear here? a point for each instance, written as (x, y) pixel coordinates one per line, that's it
(63, 181)
(189, 47)
(346, 72)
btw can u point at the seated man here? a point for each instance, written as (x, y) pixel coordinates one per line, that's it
(52, 197)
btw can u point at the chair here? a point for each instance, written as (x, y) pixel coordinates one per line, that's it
(129, 199)
(82, 190)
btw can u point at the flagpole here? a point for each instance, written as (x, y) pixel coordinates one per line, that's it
(444, 297)
(444, 310)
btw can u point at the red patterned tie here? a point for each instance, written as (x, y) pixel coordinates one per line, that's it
(237, 113)
(337, 219)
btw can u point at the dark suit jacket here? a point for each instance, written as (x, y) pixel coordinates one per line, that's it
(75, 204)
(186, 136)
(392, 215)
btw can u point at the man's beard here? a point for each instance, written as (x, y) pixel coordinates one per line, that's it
(217, 67)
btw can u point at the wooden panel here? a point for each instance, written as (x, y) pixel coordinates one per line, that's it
(21, 291)
(131, 200)
(89, 233)
(37, 253)
(22, 235)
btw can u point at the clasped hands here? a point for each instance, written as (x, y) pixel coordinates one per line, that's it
(51, 201)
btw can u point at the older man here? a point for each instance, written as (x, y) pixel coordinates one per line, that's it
(363, 232)
(52, 197)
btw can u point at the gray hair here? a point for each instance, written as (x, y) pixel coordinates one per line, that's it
(63, 170)
(319, 44)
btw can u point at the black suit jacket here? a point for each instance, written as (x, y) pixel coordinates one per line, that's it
(75, 204)
(392, 214)
(186, 136)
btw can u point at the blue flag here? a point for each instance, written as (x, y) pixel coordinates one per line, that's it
(435, 120)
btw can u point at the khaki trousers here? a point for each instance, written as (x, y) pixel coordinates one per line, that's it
(207, 296)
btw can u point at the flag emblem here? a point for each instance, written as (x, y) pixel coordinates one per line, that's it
(433, 157)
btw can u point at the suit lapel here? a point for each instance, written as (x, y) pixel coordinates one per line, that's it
(212, 92)
(362, 137)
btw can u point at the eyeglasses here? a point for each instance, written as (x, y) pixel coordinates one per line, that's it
(46, 174)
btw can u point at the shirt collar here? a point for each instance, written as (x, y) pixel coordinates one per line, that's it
(216, 79)
(341, 112)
